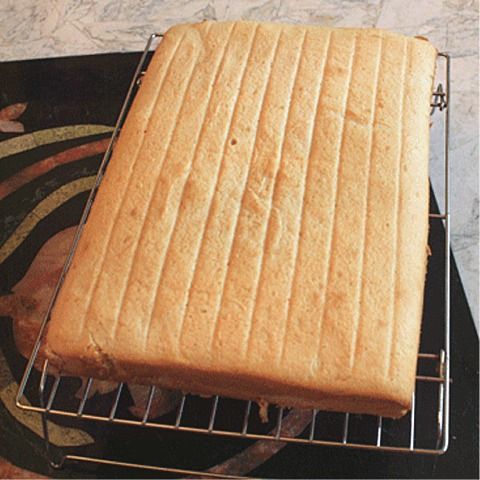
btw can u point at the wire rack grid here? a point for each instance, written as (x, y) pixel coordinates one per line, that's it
(424, 430)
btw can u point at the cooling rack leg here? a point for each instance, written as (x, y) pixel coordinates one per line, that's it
(441, 403)
(44, 417)
(54, 463)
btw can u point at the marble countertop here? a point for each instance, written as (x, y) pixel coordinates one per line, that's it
(32, 29)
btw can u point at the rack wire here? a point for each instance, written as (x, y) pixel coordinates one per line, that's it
(424, 430)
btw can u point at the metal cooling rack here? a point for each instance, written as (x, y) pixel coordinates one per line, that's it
(425, 430)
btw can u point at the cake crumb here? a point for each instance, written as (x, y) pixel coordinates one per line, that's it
(263, 410)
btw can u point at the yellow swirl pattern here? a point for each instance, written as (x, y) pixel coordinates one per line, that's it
(50, 135)
(46, 206)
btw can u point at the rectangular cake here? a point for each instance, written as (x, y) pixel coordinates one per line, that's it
(261, 229)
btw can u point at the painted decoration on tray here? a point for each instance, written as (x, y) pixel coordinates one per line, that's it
(45, 179)
(9, 118)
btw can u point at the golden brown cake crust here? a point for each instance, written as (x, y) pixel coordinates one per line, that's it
(261, 229)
